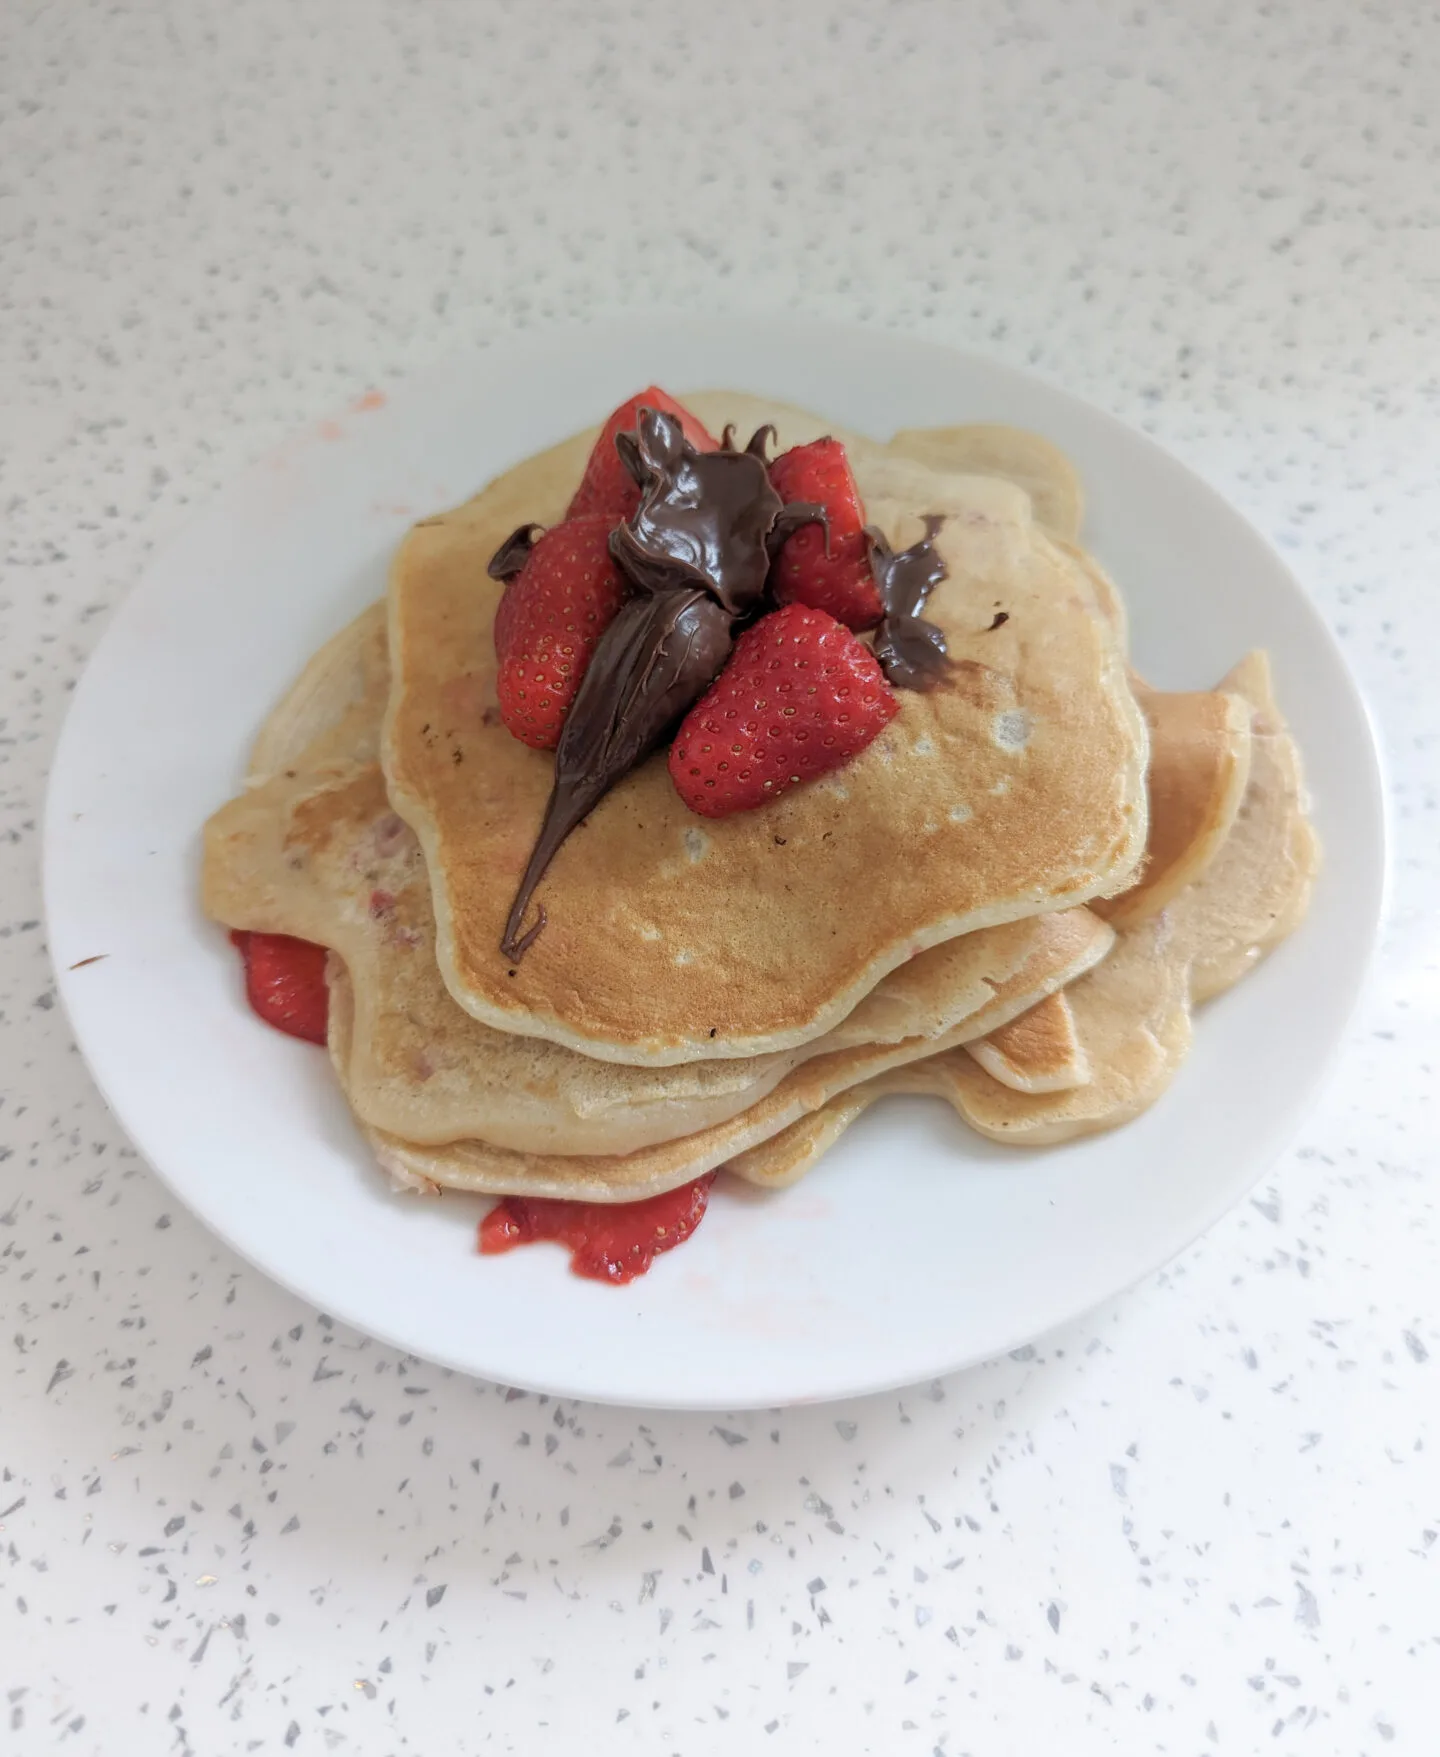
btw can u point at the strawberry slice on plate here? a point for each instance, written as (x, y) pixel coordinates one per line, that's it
(799, 696)
(549, 622)
(285, 983)
(607, 486)
(836, 577)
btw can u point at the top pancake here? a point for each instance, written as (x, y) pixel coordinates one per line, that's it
(1015, 788)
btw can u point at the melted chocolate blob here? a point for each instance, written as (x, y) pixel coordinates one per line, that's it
(707, 519)
(514, 552)
(911, 651)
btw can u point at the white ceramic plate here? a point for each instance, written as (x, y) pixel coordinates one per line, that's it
(916, 1247)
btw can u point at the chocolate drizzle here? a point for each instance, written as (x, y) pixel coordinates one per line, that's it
(910, 650)
(697, 551)
(514, 552)
(660, 654)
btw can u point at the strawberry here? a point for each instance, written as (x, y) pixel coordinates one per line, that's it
(607, 487)
(549, 621)
(285, 983)
(799, 696)
(839, 581)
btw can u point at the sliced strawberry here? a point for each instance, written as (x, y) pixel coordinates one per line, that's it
(607, 487)
(799, 696)
(285, 983)
(549, 621)
(839, 582)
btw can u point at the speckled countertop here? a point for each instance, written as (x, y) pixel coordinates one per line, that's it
(1201, 1522)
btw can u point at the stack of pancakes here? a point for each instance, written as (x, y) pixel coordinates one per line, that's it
(1013, 898)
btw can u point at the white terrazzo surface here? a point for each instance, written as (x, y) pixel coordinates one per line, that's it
(1201, 1522)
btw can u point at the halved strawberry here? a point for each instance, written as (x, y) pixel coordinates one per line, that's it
(607, 487)
(839, 581)
(548, 623)
(800, 696)
(285, 983)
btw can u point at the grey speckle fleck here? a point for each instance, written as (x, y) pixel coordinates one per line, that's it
(1268, 1205)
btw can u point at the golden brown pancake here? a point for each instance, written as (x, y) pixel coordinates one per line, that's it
(793, 426)
(1199, 765)
(785, 1158)
(1015, 789)
(334, 708)
(1132, 1012)
(1011, 453)
(1069, 941)
(1038, 1052)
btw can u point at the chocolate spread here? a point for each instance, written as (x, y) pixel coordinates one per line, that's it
(659, 655)
(697, 551)
(911, 651)
(710, 519)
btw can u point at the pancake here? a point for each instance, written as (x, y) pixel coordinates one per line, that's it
(333, 709)
(1199, 767)
(1107, 595)
(1068, 941)
(1132, 1012)
(785, 1158)
(1038, 1052)
(1011, 453)
(1017, 788)
(793, 426)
